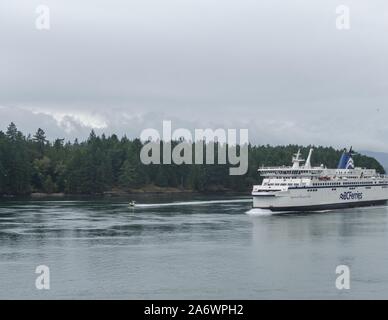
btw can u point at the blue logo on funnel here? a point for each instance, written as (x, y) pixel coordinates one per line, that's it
(346, 161)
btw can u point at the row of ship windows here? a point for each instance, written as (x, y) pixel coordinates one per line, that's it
(282, 184)
(325, 184)
(347, 183)
(352, 188)
(288, 172)
(312, 190)
(319, 184)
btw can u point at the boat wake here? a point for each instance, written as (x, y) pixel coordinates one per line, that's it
(191, 203)
(259, 212)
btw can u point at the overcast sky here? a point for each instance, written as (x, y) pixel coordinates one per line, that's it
(279, 68)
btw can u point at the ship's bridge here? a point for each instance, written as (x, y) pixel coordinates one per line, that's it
(290, 172)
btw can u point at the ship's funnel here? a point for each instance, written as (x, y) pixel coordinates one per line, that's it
(346, 161)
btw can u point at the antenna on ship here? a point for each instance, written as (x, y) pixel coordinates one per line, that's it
(308, 161)
(296, 160)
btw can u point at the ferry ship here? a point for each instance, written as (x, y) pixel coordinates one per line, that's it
(301, 187)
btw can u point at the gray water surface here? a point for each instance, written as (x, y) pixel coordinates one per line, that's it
(101, 249)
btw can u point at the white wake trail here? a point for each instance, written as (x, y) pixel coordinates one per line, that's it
(259, 212)
(190, 203)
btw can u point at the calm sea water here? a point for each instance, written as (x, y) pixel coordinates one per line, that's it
(211, 249)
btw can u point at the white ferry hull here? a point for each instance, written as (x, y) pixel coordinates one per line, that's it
(312, 199)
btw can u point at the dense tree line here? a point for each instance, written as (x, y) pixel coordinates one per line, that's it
(33, 164)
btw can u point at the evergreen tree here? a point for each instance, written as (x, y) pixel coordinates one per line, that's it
(12, 132)
(40, 140)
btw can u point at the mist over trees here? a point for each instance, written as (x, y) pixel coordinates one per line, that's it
(30, 164)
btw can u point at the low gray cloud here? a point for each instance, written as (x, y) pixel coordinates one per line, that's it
(280, 69)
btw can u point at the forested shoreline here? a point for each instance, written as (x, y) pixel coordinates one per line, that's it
(106, 164)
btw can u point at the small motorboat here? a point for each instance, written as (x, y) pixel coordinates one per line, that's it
(132, 204)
